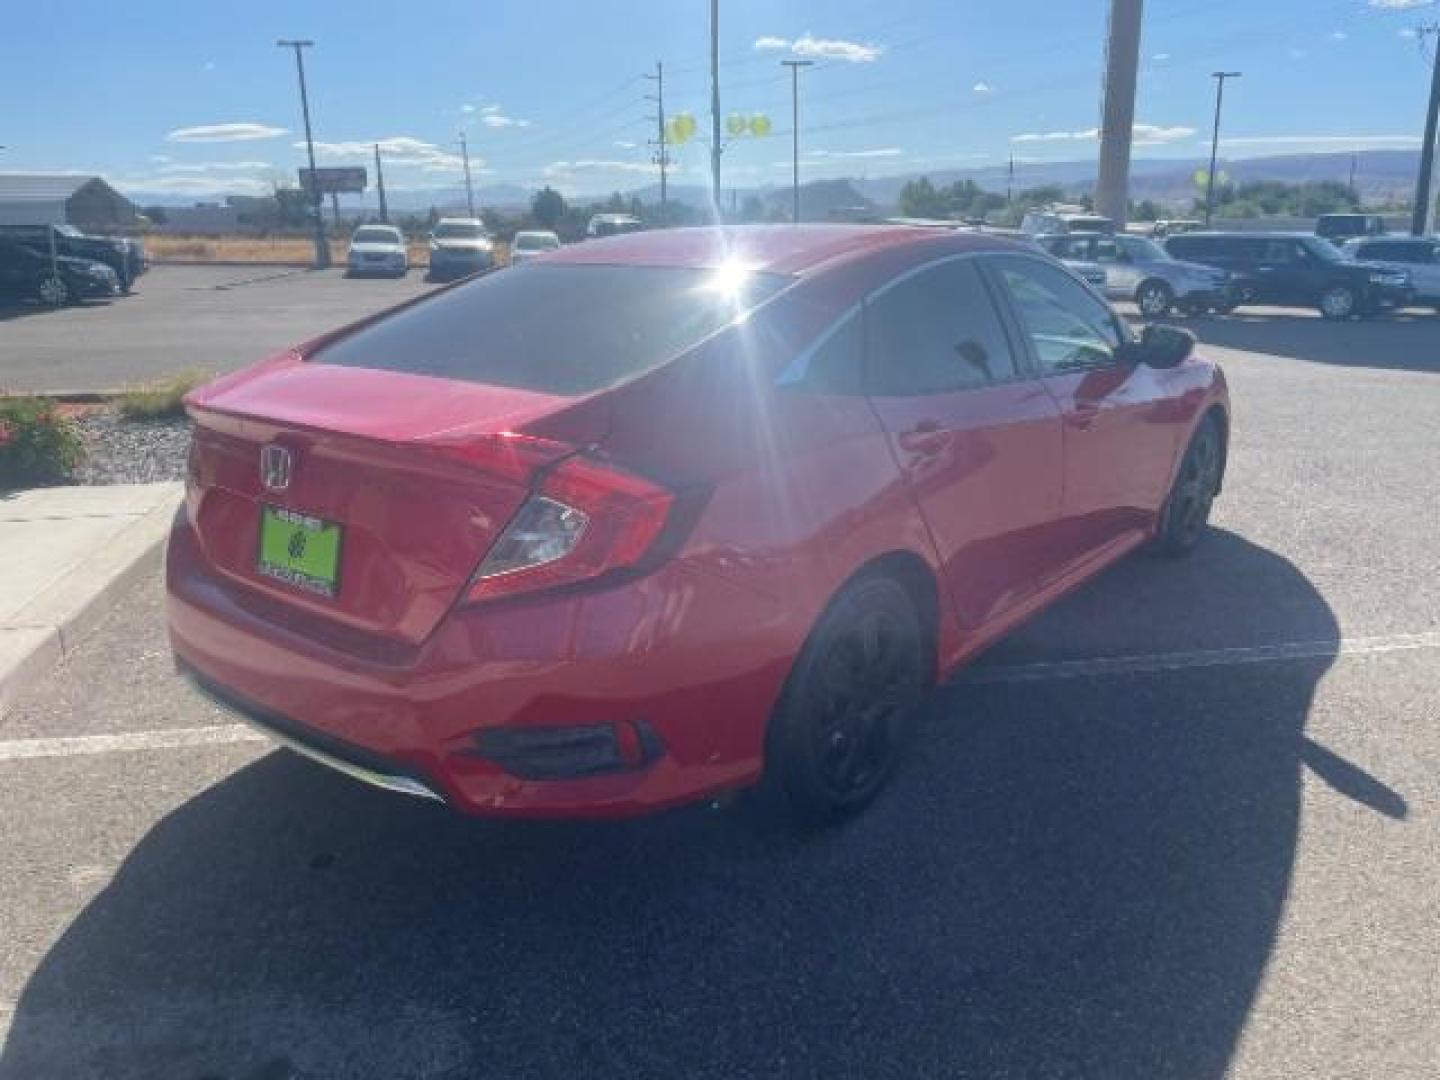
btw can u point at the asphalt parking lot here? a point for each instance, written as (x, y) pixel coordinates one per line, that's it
(1185, 825)
(184, 318)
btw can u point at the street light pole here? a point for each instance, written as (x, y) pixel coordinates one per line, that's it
(380, 186)
(795, 66)
(322, 244)
(1219, 77)
(715, 104)
(469, 189)
(1424, 196)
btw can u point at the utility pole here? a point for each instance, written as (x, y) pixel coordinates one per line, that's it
(380, 186)
(1117, 112)
(469, 188)
(1010, 183)
(715, 104)
(662, 152)
(795, 66)
(1354, 194)
(1423, 218)
(1219, 77)
(322, 243)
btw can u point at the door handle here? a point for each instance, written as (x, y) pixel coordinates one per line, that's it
(927, 438)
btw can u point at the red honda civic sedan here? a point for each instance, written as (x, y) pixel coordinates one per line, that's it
(671, 514)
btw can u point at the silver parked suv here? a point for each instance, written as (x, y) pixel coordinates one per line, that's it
(1141, 270)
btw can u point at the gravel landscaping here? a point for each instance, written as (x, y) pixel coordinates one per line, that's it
(130, 452)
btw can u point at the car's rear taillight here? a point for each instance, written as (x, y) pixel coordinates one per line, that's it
(586, 519)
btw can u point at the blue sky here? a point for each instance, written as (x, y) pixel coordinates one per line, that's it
(193, 99)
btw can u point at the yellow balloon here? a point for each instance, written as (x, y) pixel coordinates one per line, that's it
(736, 125)
(682, 128)
(759, 125)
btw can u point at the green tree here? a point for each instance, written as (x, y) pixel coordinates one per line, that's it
(918, 198)
(548, 207)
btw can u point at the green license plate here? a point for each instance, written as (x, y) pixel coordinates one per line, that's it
(300, 550)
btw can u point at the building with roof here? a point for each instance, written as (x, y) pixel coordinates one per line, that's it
(86, 202)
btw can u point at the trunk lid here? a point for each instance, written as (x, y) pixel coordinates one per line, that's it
(420, 474)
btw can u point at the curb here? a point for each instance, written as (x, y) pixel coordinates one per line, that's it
(42, 634)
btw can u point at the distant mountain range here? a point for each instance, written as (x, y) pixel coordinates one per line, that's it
(1379, 175)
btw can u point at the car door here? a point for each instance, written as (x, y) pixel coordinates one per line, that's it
(1121, 277)
(1119, 430)
(977, 439)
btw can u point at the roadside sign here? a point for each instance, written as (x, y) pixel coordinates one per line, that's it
(335, 180)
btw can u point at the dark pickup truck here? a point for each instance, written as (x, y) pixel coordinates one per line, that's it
(126, 257)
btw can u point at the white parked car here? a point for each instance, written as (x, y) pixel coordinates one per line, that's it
(377, 249)
(530, 243)
(1418, 254)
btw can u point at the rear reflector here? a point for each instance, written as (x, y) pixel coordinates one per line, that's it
(562, 753)
(588, 518)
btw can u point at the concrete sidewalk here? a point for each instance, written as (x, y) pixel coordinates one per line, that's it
(65, 553)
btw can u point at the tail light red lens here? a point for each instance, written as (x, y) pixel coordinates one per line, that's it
(588, 518)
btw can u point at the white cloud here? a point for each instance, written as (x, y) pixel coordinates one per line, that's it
(215, 166)
(1400, 5)
(1144, 135)
(194, 185)
(1298, 54)
(493, 116)
(982, 87)
(560, 169)
(161, 159)
(808, 45)
(1331, 141)
(1339, 35)
(240, 132)
(403, 150)
(209, 65)
(467, 108)
(1160, 57)
(879, 152)
(625, 145)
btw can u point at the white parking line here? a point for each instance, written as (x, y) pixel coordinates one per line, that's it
(175, 738)
(1179, 661)
(222, 734)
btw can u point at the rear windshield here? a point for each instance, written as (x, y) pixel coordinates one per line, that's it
(533, 242)
(376, 236)
(556, 329)
(459, 230)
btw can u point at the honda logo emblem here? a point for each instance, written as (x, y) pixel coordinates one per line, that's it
(275, 464)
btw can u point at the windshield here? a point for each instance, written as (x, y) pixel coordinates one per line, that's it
(618, 321)
(459, 230)
(1324, 249)
(376, 236)
(535, 242)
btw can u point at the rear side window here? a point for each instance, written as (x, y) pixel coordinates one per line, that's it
(1190, 247)
(555, 329)
(935, 332)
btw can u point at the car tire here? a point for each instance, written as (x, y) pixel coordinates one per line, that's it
(1155, 299)
(52, 290)
(1339, 302)
(847, 711)
(1186, 512)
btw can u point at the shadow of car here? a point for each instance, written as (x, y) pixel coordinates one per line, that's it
(1082, 876)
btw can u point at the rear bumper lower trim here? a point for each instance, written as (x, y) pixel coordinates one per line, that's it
(352, 762)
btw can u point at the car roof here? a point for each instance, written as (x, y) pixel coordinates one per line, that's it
(460, 221)
(777, 249)
(1245, 234)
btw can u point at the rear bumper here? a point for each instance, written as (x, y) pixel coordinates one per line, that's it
(690, 659)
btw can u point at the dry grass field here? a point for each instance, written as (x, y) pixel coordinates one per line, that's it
(278, 250)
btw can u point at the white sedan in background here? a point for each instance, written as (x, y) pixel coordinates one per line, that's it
(377, 249)
(527, 245)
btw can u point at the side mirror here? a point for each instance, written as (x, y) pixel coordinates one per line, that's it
(1161, 347)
